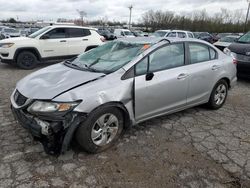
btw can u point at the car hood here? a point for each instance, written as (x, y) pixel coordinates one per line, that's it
(240, 48)
(15, 40)
(54, 80)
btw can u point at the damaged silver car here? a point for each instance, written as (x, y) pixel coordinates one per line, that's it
(93, 97)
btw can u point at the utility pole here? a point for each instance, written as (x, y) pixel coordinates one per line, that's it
(130, 9)
(245, 28)
(81, 14)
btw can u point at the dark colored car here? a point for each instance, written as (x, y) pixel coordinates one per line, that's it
(206, 37)
(240, 51)
(106, 34)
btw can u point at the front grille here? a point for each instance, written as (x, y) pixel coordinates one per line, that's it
(19, 98)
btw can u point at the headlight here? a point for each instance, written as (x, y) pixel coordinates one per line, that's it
(44, 106)
(6, 45)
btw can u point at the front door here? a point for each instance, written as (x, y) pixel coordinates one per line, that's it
(54, 43)
(161, 82)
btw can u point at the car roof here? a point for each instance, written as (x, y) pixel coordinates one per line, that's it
(154, 40)
(174, 30)
(71, 26)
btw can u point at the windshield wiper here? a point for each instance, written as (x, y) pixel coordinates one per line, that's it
(68, 62)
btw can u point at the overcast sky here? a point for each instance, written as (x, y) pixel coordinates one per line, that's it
(112, 9)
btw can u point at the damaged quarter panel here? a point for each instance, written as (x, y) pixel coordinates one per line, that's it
(102, 91)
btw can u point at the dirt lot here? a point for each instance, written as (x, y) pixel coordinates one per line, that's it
(193, 148)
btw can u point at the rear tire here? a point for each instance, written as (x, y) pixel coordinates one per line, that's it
(218, 95)
(101, 130)
(26, 60)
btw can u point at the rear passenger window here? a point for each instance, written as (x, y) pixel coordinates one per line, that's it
(167, 57)
(198, 53)
(78, 32)
(57, 33)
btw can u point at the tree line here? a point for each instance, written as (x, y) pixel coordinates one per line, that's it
(223, 21)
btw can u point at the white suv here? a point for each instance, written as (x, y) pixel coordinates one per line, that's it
(173, 33)
(48, 43)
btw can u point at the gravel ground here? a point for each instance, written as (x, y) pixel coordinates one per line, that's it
(193, 148)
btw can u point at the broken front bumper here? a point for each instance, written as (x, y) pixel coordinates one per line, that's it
(55, 133)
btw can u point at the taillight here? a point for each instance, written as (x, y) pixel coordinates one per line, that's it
(103, 39)
(235, 61)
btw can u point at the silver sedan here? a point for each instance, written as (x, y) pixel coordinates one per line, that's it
(121, 83)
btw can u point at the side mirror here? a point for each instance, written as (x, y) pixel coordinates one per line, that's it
(44, 37)
(122, 34)
(149, 76)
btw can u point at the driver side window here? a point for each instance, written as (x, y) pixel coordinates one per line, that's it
(167, 57)
(57, 33)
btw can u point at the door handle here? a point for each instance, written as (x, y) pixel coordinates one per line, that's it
(182, 76)
(63, 41)
(215, 67)
(85, 39)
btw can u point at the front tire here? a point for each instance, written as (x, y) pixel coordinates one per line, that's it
(218, 95)
(27, 60)
(101, 130)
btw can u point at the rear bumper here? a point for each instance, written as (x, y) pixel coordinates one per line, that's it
(243, 69)
(55, 134)
(233, 82)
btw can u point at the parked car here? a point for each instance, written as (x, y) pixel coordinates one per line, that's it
(2, 36)
(49, 43)
(33, 30)
(123, 33)
(2, 27)
(10, 32)
(240, 51)
(24, 32)
(173, 34)
(106, 34)
(225, 41)
(139, 33)
(221, 35)
(206, 37)
(98, 94)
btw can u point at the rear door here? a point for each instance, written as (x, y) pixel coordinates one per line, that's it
(161, 82)
(54, 43)
(204, 69)
(78, 40)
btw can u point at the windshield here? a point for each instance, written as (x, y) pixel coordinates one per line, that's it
(128, 33)
(228, 39)
(39, 32)
(159, 33)
(245, 38)
(108, 57)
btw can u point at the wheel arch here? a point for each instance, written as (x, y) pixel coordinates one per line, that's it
(227, 80)
(121, 107)
(30, 49)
